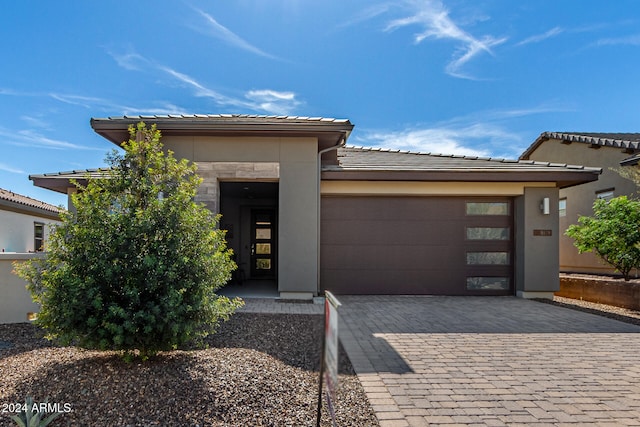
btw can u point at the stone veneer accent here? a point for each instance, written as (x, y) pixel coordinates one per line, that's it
(214, 172)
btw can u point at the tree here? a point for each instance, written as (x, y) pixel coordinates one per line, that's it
(613, 233)
(136, 267)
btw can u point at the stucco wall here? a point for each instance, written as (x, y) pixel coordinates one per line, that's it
(537, 249)
(580, 198)
(296, 160)
(17, 231)
(15, 300)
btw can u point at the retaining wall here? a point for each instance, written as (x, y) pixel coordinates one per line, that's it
(600, 289)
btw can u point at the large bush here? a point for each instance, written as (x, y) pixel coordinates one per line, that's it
(613, 233)
(137, 265)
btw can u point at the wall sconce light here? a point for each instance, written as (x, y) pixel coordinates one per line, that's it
(544, 206)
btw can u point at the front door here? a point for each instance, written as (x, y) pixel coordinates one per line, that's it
(263, 243)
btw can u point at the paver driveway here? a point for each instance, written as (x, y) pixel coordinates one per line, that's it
(491, 361)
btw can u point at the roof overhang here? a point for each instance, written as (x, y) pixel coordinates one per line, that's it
(60, 182)
(562, 179)
(329, 132)
(11, 206)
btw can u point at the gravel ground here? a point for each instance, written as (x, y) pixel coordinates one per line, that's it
(612, 312)
(259, 370)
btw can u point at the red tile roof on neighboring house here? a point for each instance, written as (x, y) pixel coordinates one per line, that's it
(624, 141)
(11, 199)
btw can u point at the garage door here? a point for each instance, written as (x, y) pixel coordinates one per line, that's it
(417, 245)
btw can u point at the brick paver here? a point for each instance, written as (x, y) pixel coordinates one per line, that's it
(491, 361)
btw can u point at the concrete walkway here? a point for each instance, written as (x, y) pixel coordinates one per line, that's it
(491, 361)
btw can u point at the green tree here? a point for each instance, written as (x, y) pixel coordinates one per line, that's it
(136, 266)
(613, 233)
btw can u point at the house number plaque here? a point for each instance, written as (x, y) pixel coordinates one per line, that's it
(542, 233)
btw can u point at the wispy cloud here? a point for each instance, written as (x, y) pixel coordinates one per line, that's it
(367, 14)
(263, 100)
(273, 101)
(540, 37)
(30, 138)
(436, 23)
(633, 40)
(7, 168)
(216, 29)
(484, 133)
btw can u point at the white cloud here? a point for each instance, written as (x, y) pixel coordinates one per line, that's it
(274, 102)
(130, 60)
(6, 168)
(264, 100)
(434, 19)
(633, 40)
(215, 29)
(484, 134)
(29, 138)
(540, 37)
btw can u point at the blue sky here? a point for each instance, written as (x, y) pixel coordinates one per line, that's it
(482, 77)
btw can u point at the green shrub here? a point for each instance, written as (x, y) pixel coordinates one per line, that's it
(136, 266)
(613, 233)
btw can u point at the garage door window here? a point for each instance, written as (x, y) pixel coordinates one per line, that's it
(487, 208)
(488, 233)
(488, 283)
(487, 258)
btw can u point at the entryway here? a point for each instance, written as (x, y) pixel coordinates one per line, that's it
(250, 217)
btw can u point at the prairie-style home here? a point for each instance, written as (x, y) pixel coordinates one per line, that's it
(306, 212)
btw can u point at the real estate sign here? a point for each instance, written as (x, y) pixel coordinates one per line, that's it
(329, 365)
(331, 350)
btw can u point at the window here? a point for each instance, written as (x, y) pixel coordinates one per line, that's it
(605, 194)
(38, 234)
(562, 207)
(487, 258)
(488, 233)
(488, 283)
(487, 208)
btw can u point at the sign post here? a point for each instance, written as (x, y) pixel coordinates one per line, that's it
(329, 362)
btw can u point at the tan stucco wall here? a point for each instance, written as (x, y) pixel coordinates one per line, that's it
(16, 301)
(296, 172)
(403, 188)
(17, 231)
(580, 198)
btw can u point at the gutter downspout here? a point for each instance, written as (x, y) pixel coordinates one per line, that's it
(341, 143)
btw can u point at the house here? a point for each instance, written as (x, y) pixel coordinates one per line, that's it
(608, 151)
(308, 213)
(24, 228)
(24, 222)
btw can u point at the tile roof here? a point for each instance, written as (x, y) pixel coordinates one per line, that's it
(237, 117)
(625, 141)
(360, 158)
(18, 199)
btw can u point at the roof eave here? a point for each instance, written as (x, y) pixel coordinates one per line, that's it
(116, 130)
(562, 179)
(28, 210)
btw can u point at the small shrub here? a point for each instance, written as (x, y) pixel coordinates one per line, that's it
(30, 416)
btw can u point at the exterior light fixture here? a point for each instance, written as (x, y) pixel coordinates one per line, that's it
(544, 206)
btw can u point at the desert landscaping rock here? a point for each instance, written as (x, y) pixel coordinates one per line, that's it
(259, 370)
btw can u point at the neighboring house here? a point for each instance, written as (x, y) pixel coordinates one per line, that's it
(24, 222)
(608, 151)
(310, 214)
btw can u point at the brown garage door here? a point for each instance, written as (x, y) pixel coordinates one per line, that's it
(417, 245)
